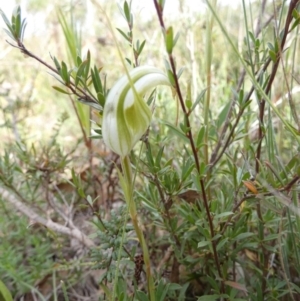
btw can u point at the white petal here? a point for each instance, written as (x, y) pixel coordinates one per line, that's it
(126, 116)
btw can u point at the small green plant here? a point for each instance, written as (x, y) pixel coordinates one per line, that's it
(208, 168)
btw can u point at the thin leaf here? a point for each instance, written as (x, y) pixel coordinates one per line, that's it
(127, 12)
(9, 34)
(64, 73)
(177, 131)
(80, 71)
(57, 64)
(24, 24)
(61, 90)
(91, 104)
(199, 97)
(6, 21)
(124, 35)
(169, 40)
(179, 73)
(4, 293)
(140, 49)
(87, 69)
(101, 99)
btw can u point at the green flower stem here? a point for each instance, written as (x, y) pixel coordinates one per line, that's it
(127, 185)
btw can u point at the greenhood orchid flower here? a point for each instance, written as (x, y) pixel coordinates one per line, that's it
(126, 115)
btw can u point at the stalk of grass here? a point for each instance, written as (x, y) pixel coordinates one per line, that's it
(63, 285)
(206, 109)
(54, 285)
(73, 41)
(127, 185)
(127, 182)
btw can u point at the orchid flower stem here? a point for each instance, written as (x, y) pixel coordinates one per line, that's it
(128, 193)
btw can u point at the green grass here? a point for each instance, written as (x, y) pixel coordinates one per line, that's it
(216, 176)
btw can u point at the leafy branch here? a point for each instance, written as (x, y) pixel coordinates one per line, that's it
(170, 43)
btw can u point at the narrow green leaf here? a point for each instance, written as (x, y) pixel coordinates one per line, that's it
(101, 99)
(169, 40)
(64, 73)
(80, 71)
(89, 200)
(177, 131)
(291, 164)
(273, 55)
(23, 27)
(108, 290)
(5, 19)
(241, 97)
(129, 61)
(295, 24)
(270, 46)
(64, 290)
(188, 101)
(202, 169)
(124, 35)
(179, 73)
(161, 291)
(150, 159)
(81, 193)
(4, 293)
(221, 244)
(187, 171)
(141, 296)
(141, 47)
(94, 105)
(176, 39)
(243, 235)
(74, 178)
(96, 80)
(57, 64)
(127, 12)
(61, 90)
(223, 115)
(13, 25)
(204, 243)
(200, 137)
(222, 215)
(252, 37)
(57, 78)
(18, 22)
(198, 99)
(9, 34)
(158, 157)
(257, 44)
(78, 60)
(71, 35)
(295, 13)
(87, 69)
(171, 77)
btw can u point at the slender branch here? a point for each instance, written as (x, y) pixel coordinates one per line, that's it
(74, 232)
(82, 95)
(288, 21)
(189, 135)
